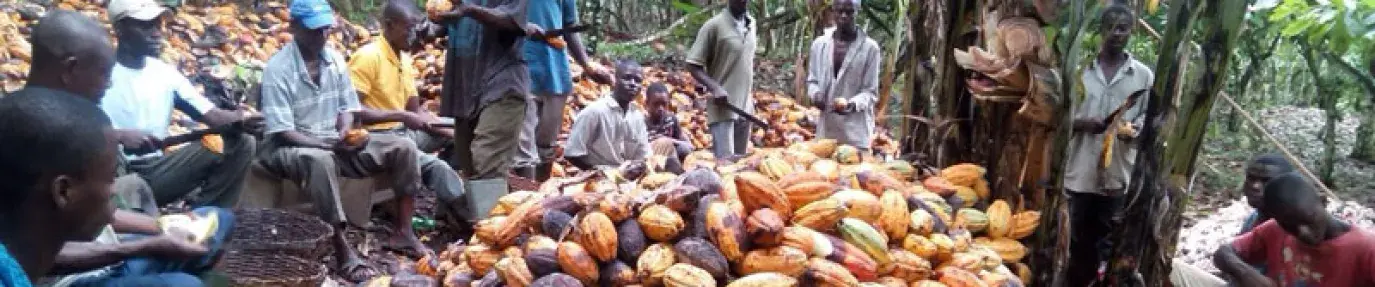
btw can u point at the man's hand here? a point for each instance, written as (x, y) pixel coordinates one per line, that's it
(599, 75)
(533, 30)
(417, 121)
(173, 247)
(719, 96)
(342, 147)
(138, 140)
(1094, 126)
(1128, 131)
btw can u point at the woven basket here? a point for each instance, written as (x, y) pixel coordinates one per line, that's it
(275, 231)
(268, 269)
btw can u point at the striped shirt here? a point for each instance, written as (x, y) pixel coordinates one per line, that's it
(291, 101)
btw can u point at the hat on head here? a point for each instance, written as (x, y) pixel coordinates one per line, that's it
(315, 14)
(144, 10)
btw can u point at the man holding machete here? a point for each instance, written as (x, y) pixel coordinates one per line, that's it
(722, 59)
(1105, 112)
(142, 94)
(550, 81)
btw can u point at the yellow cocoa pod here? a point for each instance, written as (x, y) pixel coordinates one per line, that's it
(807, 240)
(656, 180)
(684, 275)
(481, 257)
(575, 261)
(775, 168)
(921, 222)
(967, 196)
(758, 191)
(727, 230)
(827, 168)
(1024, 224)
(965, 174)
(766, 279)
(999, 219)
(860, 204)
(802, 193)
(1023, 271)
(908, 266)
(597, 234)
(921, 246)
(785, 260)
(660, 223)
(823, 148)
(1008, 249)
(800, 177)
(945, 247)
(616, 206)
(513, 272)
(821, 215)
(827, 273)
(653, 262)
(893, 219)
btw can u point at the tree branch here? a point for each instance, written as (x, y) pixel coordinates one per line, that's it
(1366, 81)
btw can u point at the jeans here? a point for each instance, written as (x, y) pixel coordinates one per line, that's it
(145, 271)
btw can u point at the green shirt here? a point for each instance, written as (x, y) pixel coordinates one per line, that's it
(725, 49)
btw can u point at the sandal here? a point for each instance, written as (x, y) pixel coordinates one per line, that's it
(405, 249)
(350, 271)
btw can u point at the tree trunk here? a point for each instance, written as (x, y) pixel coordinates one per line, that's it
(1257, 63)
(1365, 135)
(952, 101)
(1327, 101)
(1145, 241)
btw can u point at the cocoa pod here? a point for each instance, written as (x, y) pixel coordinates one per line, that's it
(481, 257)
(894, 218)
(616, 273)
(821, 215)
(557, 280)
(514, 272)
(908, 266)
(758, 191)
(780, 259)
(727, 231)
(542, 262)
(660, 223)
(765, 228)
(458, 279)
(700, 253)
(821, 272)
(766, 279)
(684, 275)
(630, 242)
(575, 261)
(555, 223)
(616, 206)
(703, 179)
(597, 234)
(682, 199)
(697, 224)
(653, 262)
(492, 279)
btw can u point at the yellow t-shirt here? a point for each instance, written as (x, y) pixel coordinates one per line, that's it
(384, 81)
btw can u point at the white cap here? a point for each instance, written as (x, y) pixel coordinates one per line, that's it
(144, 10)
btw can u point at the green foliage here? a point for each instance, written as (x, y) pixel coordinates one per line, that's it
(1337, 24)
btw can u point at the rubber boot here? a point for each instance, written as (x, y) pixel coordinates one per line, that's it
(482, 197)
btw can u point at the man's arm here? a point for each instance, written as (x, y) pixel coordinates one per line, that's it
(280, 119)
(1231, 265)
(814, 74)
(699, 55)
(576, 148)
(509, 17)
(83, 256)
(137, 223)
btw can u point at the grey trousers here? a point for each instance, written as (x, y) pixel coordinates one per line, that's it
(132, 193)
(729, 138)
(435, 172)
(539, 134)
(219, 177)
(318, 170)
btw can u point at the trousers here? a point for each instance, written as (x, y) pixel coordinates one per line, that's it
(1090, 223)
(219, 177)
(318, 170)
(437, 174)
(145, 271)
(729, 138)
(540, 132)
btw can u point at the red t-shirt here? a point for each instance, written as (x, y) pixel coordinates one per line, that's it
(1348, 260)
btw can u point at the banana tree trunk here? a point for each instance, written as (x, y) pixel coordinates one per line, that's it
(1144, 244)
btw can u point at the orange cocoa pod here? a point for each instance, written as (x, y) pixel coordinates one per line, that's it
(758, 191)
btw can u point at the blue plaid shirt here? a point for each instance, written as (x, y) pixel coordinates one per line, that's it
(291, 101)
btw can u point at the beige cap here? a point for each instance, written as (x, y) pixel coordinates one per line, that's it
(138, 9)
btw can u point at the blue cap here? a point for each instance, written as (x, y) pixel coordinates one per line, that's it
(315, 14)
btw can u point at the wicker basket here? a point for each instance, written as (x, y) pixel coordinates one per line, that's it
(276, 231)
(268, 269)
